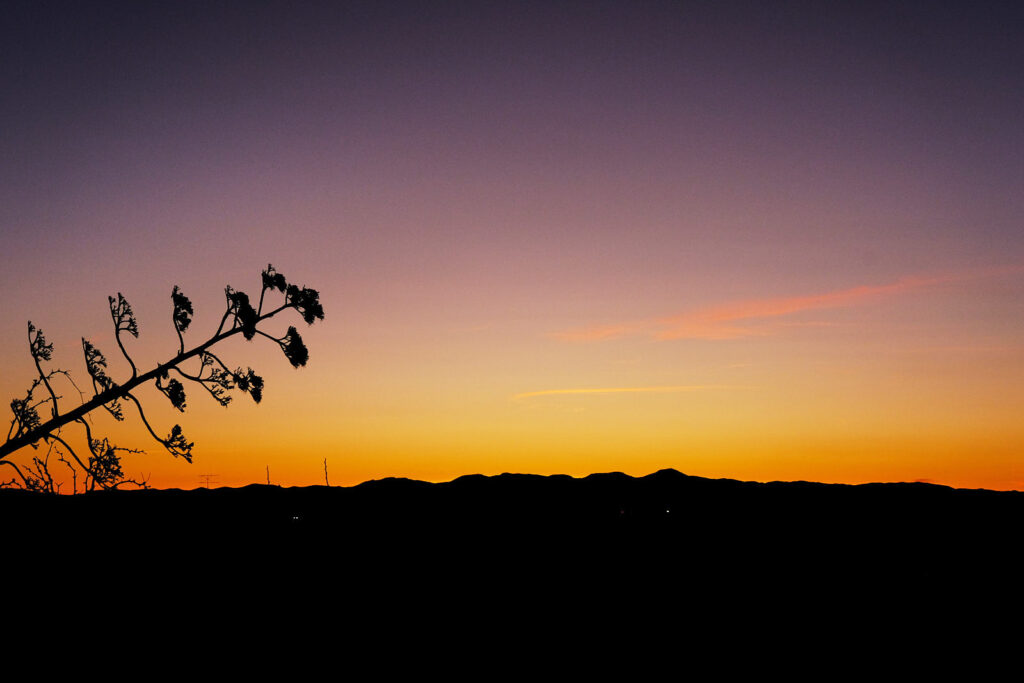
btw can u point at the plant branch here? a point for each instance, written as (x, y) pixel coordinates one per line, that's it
(103, 468)
(40, 349)
(16, 469)
(119, 391)
(135, 371)
(143, 416)
(71, 451)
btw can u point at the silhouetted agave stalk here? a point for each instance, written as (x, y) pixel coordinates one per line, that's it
(102, 467)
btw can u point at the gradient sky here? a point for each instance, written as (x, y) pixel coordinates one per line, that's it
(751, 240)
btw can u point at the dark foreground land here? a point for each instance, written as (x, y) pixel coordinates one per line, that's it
(521, 562)
(525, 561)
(540, 525)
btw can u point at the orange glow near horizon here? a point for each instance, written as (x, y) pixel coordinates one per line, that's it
(877, 392)
(885, 390)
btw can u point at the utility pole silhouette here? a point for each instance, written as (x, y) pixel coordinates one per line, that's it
(268, 475)
(208, 478)
(326, 480)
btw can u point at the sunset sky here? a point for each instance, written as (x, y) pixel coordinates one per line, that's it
(765, 241)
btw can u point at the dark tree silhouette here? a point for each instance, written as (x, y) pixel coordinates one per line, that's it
(101, 468)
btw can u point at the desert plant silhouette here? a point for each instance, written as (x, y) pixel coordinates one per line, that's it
(102, 466)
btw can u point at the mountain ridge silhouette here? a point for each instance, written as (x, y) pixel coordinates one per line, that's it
(608, 501)
(476, 533)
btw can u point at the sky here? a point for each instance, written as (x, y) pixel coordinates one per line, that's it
(764, 241)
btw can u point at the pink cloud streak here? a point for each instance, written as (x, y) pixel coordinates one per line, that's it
(733, 320)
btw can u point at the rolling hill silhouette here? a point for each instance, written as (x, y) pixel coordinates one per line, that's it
(507, 556)
(696, 524)
(512, 553)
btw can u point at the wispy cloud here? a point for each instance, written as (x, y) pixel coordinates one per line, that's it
(622, 390)
(754, 317)
(732, 320)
